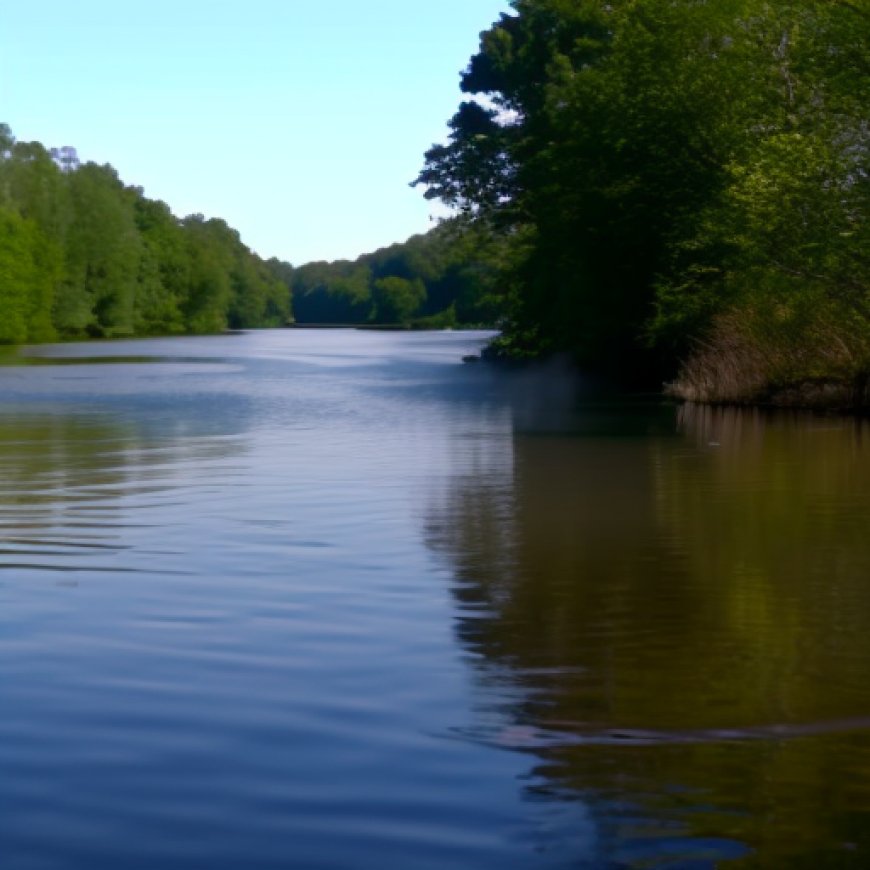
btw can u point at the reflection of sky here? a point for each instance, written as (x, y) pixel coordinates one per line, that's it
(343, 583)
(217, 620)
(243, 381)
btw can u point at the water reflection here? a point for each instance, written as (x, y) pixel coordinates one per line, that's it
(82, 494)
(676, 626)
(255, 669)
(664, 616)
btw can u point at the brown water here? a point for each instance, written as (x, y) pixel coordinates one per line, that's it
(334, 599)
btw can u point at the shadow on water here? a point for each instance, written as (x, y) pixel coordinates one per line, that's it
(668, 609)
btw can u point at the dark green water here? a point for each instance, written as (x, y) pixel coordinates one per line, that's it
(332, 599)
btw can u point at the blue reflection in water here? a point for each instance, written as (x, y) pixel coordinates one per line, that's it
(222, 640)
(332, 599)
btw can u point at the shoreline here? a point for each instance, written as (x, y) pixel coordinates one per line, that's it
(823, 395)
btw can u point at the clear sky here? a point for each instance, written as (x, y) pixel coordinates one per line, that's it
(300, 122)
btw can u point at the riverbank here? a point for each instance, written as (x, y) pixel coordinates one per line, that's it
(823, 369)
(711, 377)
(822, 394)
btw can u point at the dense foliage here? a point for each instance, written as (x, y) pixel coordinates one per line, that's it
(81, 255)
(445, 277)
(679, 179)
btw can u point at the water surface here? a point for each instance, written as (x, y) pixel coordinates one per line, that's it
(332, 599)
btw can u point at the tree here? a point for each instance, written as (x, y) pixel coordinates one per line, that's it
(28, 270)
(396, 300)
(103, 251)
(775, 279)
(207, 301)
(622, 146)
(580, 145)
(164, 270)
(83, 254)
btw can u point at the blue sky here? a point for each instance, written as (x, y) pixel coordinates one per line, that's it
(300, 122)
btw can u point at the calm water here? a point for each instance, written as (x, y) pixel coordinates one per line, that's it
(332, 599)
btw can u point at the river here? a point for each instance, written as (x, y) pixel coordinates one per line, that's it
(334, 599)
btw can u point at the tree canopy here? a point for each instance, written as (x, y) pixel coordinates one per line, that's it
(673, 174)
(448, 276)
(84, 255)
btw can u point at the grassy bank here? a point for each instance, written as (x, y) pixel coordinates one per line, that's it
(819, 360)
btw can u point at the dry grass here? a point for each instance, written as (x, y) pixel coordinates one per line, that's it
(747, 359)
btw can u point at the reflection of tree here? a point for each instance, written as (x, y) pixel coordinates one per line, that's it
(681, 586)
(483, 545)
(57, 472)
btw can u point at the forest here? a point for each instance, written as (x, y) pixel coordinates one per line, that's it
(84, 255)
(685, 186)
(450, 276)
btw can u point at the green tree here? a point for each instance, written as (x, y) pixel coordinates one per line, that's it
(207, 301)
(459, 265)
(592, 139)
(164, 270)
(650, 159)
(85, 255)
(103, 251)
(775, 280)
(28, 271)
(396, 300)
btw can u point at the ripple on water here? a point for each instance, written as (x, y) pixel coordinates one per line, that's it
(334, 600)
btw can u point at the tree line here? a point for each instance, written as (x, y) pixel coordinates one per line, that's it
(685, 186)
(447, 277)
(84, 255)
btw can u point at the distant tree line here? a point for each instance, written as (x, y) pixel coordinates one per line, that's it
(449, 276)
(682, 182)
(83, 255)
